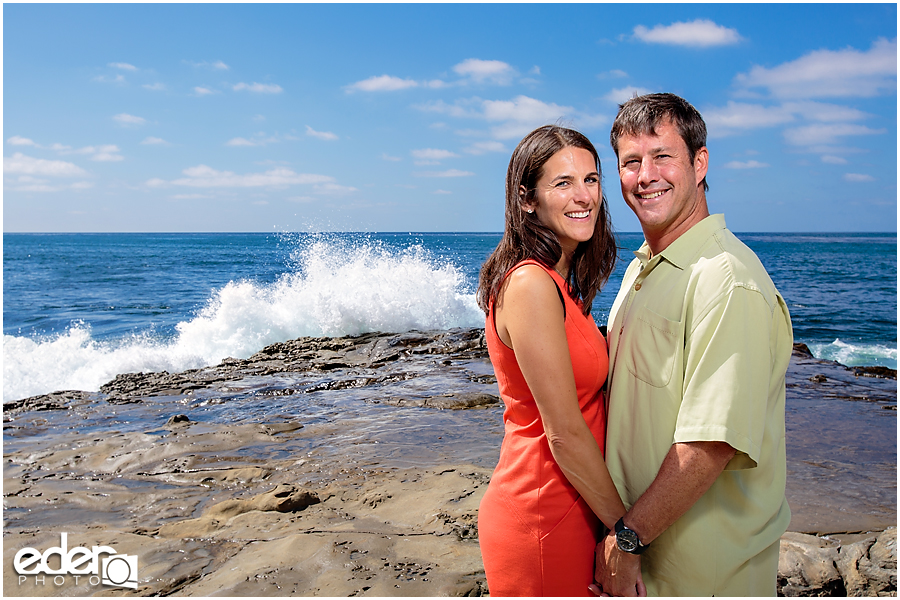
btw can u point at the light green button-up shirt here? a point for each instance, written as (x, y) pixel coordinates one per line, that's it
(699, 342)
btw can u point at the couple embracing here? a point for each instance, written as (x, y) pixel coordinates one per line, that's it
(651, 462)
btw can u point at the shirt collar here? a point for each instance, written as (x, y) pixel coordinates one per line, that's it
(681, 252)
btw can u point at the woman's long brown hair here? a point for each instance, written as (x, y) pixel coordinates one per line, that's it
(525, 237)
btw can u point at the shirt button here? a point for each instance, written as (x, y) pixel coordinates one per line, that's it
(637, 287)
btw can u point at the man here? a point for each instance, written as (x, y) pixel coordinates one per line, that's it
(699, 342)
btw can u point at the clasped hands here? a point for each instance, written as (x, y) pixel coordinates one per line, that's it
(616, 573)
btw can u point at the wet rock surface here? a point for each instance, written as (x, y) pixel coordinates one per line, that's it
(351, 362)
(355, 465)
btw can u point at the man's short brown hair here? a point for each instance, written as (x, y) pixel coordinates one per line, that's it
(643, 114)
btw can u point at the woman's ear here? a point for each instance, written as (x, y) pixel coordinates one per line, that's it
(526, 205)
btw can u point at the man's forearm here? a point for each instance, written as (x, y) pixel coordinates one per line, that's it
(687, 472)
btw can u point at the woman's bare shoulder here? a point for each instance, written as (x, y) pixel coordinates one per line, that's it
(530, 284)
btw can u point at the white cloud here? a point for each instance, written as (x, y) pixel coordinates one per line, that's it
(515, 117)
(382, 83)
(523, 109)
(386, 156)
(333, 189)
(31, 187)
(203, 91)
(156, 87)
(203, 176)
(105, 153)
(480, 71)
(522, 114)
(858, 177)
(109, 153)
(461, 109)
(486, 146)
(123, 66)
(26, 183)
(432, 154)
(126, 119)
(151, 141)
(620, 95)
(18, 163)
(239, 141)
(258, 139)
(741, 116)
(20, 141)
(119, 78)
(820, 134)
(834, 160)
(322, 135)
(750, 164)
(822, 111)
(217, 65)
(448, 173)
(701, 33)
(441, 192)
(259, 88)
(190, 196)
(830, 74)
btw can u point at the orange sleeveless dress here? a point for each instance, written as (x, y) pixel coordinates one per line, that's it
(537, 535)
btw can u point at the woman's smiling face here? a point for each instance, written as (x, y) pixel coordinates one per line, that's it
(567, 196)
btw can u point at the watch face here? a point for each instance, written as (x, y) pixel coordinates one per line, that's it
(627, 540)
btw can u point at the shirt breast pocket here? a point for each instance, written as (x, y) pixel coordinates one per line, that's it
(654, 348)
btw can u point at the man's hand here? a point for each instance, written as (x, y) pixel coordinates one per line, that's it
(617, 573)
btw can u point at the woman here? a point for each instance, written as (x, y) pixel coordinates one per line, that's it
(539, 521)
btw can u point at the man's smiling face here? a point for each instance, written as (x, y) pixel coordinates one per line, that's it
(661, 183)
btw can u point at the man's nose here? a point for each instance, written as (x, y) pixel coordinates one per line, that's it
(648, 172)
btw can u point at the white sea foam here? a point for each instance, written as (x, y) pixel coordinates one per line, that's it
(336, 288)
(853, 355)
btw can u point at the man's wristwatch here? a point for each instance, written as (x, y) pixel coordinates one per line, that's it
(627, 540)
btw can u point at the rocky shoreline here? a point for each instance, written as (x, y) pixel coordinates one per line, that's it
(353, 466)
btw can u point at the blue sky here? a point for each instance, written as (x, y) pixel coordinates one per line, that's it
(334, 117)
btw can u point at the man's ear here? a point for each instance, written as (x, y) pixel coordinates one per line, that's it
(701, 164)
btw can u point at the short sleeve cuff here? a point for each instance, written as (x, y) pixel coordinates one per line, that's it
(746, 453)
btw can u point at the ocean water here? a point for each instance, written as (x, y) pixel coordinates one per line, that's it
(78, 309)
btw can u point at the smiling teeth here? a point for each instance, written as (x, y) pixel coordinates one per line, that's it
(651, 196)
(578, 215)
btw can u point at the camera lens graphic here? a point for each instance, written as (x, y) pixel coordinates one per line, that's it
(118, 570)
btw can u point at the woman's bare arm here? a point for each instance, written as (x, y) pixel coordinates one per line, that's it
(531, 320)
